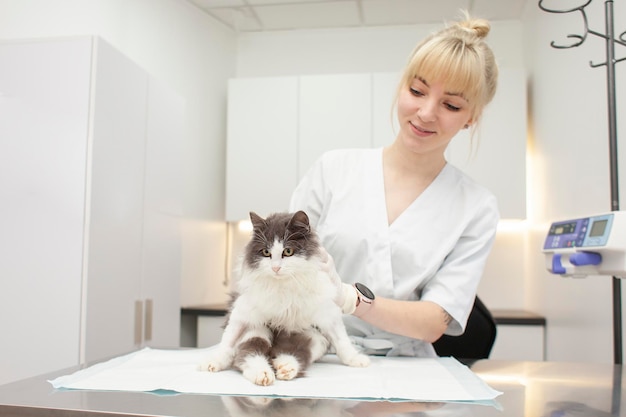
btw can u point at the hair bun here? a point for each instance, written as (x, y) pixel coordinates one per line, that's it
(480, 27)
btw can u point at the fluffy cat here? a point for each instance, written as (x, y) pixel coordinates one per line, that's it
(283, 317)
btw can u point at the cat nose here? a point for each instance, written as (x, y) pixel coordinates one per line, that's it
(276, 268)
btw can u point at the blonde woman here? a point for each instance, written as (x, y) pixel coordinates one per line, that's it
(411, 229)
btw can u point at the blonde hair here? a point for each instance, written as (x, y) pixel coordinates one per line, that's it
(459, 57)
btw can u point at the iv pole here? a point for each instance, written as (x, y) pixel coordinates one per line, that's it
(610, 39)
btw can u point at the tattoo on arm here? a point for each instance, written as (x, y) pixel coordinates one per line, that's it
(447, 318)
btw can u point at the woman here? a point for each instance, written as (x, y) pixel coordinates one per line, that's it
(409, 227)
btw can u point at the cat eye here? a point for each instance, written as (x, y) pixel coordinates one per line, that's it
(287, 252)
(266, 253)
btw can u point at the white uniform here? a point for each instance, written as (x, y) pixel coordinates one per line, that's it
(435, 250)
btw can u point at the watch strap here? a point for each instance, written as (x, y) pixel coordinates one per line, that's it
(363, 304)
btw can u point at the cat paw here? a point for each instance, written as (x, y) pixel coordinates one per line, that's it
(287, 367)
(215, 363)
(263, 377)
(209, 366)
(359, 361)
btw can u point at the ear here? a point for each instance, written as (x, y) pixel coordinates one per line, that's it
(299, 221)
(474, 118)
(257, 221)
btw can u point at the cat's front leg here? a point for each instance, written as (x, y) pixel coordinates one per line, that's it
(217, 359)
(346, 351)
(221, 357)
(352, 357)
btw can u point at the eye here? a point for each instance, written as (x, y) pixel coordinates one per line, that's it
(416, 92)
(452, 107)
(287, 252)
(266, 253)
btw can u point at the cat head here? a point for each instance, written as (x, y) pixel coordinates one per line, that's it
(280, 243)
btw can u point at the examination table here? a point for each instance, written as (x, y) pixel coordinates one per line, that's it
(529, 389)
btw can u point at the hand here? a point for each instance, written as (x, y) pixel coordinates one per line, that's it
(345, 296)
(327, 264)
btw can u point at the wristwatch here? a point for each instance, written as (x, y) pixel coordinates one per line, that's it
(365, 299)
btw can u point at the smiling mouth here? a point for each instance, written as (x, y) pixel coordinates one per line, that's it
(421, 130)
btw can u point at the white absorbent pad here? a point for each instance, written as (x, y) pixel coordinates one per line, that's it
(386, 378)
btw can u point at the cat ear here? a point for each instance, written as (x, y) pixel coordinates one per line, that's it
(257, 221)
(300, 220)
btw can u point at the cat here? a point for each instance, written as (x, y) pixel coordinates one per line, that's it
(282, 316)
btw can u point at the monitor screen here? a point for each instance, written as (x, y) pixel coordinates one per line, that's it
(598, 228)
(563, 228)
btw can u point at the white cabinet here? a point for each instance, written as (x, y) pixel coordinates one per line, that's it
(162, 213)
(88, 232)
(133, 276)
(280, 124)
(44, 108)
(335, 111)
(210, 331)
(114, 204)
(519, 343)
(521, 336)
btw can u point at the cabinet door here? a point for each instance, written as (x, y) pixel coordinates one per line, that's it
(519, 343)
(44, 108)
(161, 251)
(335, 112)
(116, 205)
(498, 158)
(261, 164)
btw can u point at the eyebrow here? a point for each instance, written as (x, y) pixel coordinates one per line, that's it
(446, 92)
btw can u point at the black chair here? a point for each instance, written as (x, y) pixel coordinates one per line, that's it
(476, 342)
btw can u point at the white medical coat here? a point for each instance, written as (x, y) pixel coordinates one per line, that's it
(435, 250)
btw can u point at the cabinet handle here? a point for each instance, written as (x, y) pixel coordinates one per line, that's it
(148, 323)
(138, 321)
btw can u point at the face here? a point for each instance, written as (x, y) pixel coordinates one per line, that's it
(430, 116)
(281, 244)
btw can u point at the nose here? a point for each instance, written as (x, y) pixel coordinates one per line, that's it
(275, 268)
(427, 112)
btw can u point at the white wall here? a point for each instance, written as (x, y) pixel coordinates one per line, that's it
(570, 170)
(194, 55)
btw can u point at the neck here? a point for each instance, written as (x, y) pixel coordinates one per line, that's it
(403, 162)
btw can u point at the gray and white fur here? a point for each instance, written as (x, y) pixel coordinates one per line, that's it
(283, 317)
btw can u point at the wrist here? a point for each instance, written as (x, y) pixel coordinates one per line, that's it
(350, 298)
(364, 301)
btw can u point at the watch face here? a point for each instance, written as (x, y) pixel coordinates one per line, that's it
(367, 293)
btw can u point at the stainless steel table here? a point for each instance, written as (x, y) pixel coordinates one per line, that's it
(530, 389)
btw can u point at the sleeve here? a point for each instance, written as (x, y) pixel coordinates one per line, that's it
(455, 283)
(309, 194)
